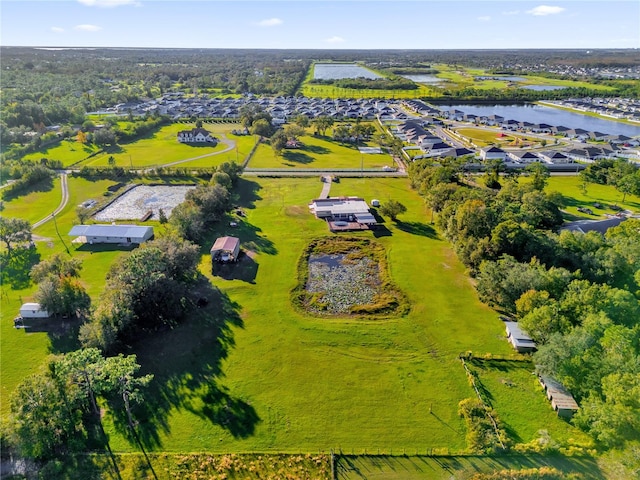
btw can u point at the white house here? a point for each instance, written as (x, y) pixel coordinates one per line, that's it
(33, 310)
(523, 157)
(125, 234)
(196, 135)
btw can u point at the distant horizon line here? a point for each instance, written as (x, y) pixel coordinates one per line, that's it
(587, 49)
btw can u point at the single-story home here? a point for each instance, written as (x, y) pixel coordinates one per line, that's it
(111, 234)
(225, 249)
(561, 400)
(601, 226)
(522, 342)
(33, 310)
(351, 209)
(196, 135)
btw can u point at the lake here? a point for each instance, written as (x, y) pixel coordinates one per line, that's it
(534, 113)
(337, 71)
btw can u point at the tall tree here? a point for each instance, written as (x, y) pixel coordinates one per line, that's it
(14, 231)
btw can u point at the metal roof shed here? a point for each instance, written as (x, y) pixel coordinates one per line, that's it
(111, 234)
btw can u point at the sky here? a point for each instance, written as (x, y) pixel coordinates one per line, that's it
(322, 24)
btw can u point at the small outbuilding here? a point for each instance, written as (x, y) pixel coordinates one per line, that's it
(522, 342)
(225, 249)
(561, 400)
(33, 310)
(122, 234)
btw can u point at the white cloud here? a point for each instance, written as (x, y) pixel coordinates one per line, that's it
(334, 39)
(511, 12)
(543, 10)
(484, 18)
(57, 30)
(87, 28)
(109, 3)
(270, 22)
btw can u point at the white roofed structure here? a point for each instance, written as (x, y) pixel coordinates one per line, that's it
(111, 234)
(522, 342)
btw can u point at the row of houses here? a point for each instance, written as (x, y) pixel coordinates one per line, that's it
(622, 108)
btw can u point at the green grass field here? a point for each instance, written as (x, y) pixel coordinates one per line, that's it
(574, 196)
(250, 374)
(158, 148)
(69, 152)
(318, 152)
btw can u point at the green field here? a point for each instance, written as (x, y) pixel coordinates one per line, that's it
(575, 197)
(69, 152)
(251, 374)
(318, 152)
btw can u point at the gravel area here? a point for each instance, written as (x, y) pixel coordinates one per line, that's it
(341, 283)
(136, 202)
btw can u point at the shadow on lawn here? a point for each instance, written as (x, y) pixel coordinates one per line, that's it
(16, 265)
(44, 185)
(417, 228)
(186, 364)
(298, 157)
(317, 149)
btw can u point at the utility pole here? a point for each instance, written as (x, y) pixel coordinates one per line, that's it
(58, 232)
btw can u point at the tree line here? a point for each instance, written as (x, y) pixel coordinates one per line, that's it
(576, 294)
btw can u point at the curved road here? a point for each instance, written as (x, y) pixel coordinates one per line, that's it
(223, 139)
(63, 201)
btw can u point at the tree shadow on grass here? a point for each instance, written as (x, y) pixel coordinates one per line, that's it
(186, 362)
(317, 149)
(245, 193)
(16, 265)
(298, 157)
(44, 185)
(417, 228)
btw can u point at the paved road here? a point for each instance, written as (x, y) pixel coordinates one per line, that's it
(63, 201)
(326, 186)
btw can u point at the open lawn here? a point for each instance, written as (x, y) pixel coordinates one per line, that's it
(69, 152)
(249, 373)
(162, 147)
(42, 199)
(279, 380)
(575, 196)
(319, 152)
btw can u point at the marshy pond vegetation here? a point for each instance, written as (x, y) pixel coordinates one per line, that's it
(347, 276)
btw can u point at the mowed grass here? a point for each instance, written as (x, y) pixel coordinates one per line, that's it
(292, 382)
(69, 152)
(319, 152)
(158, 148)
(575, 196)
(41, 201)
(273, 379)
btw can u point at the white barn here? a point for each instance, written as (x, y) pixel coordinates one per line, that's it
(126, 234)
(33, 310)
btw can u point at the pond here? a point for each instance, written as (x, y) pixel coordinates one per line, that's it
(428, 79)
(342, 283)
(337, 71)
(535, 113)
(134, 204)
(542, 88)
